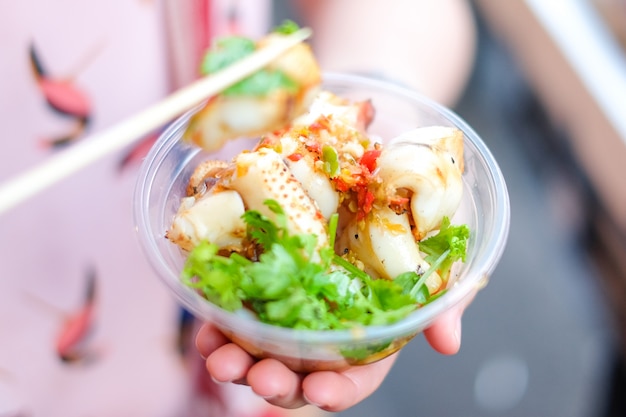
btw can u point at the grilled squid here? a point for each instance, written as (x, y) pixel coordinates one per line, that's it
(256, 111)
(388, 197)
(286, 166)
(426, 164)
(386, 247)
(423, 167)
(213, 216)
(214, 213)
(263, 175)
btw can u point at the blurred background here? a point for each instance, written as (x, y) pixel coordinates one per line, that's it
(547, 93)
(548, 84)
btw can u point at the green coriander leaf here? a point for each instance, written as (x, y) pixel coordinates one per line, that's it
(262, 83)
(287, 27)
(285, 288)
(421, 294)
(226, 52)
(272, 274)
(390, 295)
(407, 280)
(351, 268)
(451, 241)
(339, 286)
(281, 217)
(231, 49)
(261, 229)
(415, 285)
(215, 276)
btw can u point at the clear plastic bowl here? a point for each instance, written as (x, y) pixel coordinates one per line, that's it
(484, 208)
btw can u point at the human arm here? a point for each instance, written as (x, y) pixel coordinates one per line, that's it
(427, 45)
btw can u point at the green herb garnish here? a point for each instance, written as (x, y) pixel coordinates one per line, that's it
(298, 285)
(446, 247)
(230, 49)
(443, 250)
(286, 288)
(287, 27)
(225, 52)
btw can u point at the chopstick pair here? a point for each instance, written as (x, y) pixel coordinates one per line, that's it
(98, 145)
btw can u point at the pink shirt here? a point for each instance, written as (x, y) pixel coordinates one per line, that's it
(86, 328)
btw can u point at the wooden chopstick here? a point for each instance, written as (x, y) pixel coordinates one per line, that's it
(98, 145)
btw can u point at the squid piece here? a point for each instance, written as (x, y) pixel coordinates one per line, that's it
(424, 166)
(357, 115)
(219, 192)
(205, 176)
(387, 247)
(215, 214)
(412, 183)
(212, 216)
(230, 116)
(316, 185)
(346, 123)
(428, 162)
(263, 175)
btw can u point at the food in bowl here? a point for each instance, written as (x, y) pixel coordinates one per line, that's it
(320, 227)
(267, 100)
(177, 179)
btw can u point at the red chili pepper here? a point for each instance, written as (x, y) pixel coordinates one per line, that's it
(369, 201)
(369, 158)
(341, 185)
(314, 146)
(322, 123)
(295, 157)
(365, 200)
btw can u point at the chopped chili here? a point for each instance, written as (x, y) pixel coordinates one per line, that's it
(369, 159)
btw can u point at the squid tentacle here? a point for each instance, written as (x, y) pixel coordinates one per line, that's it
(429, 163)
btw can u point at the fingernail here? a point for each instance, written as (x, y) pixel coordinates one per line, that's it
(217, 381)
(313, 403)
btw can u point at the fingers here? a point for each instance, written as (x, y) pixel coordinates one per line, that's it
(276, 383)
(224, 361)
(229, 363)
(332, 391)
(268, 378)
(208, 339)
(444, 335)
